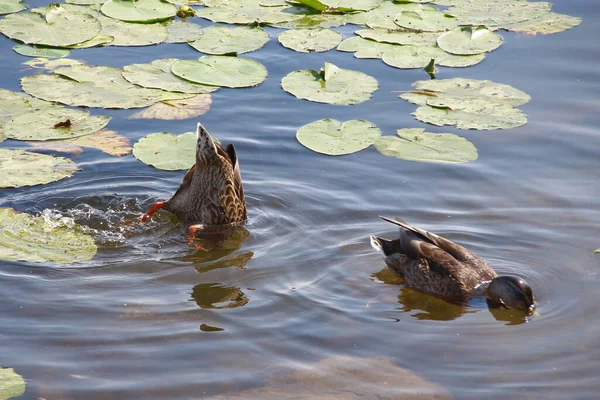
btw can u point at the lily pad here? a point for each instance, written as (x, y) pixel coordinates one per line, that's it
(139, 11)
(469, 40)
(27, 238)
(51, 65)
(366, 48)
(128, 34)
(23, 168)
(12, 105)
(226, 71)
(496, 14)
(58, 27)
(473, 115)
(167, 151)
(47, 52)
(247, 13)
(97, 41)
(176, 109)
(334, 138)
(343, 5)
(426, 19)
(421, 39)
(332, 85)
(11, 383)
(11, 6)
(93, 87)
(383, 16)
(107, 141)
(420, 57)
(307, 40)
(44, 124)
(181, 31)
(158, 75)
(219, 39)
(545, 25)
(314, 21)
(418, 145)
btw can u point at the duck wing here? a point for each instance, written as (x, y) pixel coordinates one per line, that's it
(237, 175)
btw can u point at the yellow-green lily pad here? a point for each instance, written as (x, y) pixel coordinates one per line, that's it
(23, 168)
(334, 138)
(421, 39)
(11, 383)
(47, 52)
(27, 238)
(167, 151)
(139, 11)
(131, 34)
(11, 6)
(176, 109)
(469, 40)
(417, 145)
(226, 71)
(109, 142)
(492, 13)
(425, 19)
(181, 31)
(307, 40)
(247, 13)
(544, 25)
(220, 40)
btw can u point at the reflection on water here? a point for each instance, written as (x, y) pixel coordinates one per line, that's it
(429, 307)
(218, 296)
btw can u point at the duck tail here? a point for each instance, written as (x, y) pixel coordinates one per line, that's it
(384, 245)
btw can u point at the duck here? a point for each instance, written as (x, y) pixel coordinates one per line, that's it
(437, 266)
(211, 194)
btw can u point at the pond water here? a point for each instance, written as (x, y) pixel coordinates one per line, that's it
(301, 283)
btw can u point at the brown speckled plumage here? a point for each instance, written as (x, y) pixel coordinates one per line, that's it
(211, 192)
(432, 264)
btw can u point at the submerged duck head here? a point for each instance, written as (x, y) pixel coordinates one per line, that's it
(511, 291)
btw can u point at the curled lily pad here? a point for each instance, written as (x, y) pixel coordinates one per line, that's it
(158, 75)
(469, 40)
(332, 85)
(176, 109)
(59, 27)
(139, 11)
(47, 52)
(167, 151)
(418, 145)
(421, 39)
(53, 123)
(107, 141)
(23, 168)
(496, 14)
(219, 39)
(426, 19)
(334, 138)
(181, 31)
(546, 24)
(11, 6)
(307, 40)
(11, 383)
(223, 71)
(27, 238)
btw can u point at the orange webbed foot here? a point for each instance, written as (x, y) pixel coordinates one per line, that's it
(191, 235)
(153, 208)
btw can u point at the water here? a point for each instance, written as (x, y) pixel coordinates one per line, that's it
(300, 283)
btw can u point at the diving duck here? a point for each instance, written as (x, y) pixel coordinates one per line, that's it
(211, 193)
(434, 265)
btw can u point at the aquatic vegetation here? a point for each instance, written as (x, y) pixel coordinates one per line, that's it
(182, 31)
(107, 141)
(425, 19)
(225, 71)
(47, 52)
(11, 384)
(220, 40)
(308, 40)
(469, 40)
(23, 168)
(167, 151)
(176, 109)
(139, 11)
(334, 138)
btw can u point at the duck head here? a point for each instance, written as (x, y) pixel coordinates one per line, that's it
(511, 291)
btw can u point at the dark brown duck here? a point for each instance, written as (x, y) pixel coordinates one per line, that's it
(211, 193)
(431, 264)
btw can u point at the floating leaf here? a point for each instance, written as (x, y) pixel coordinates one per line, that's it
(181, 31)
(383, 16)
(473, 115)
(53, 123)
(365, 48)
(27, 238)
(12, 105)
(128, 34)
(48, 52)
(11, 6)
(98, 40)
(344, 5)
(333, 85)
(334, 138)
(418, 145)
(86, 2)
(11, 383)
(158, 75)
(468, 40)
(233, 72)
(546, 24)
(109, 142)
(314, 21)
(176, 109)
(421, 39)
(426, 19)
(247, 13)
(420, 57)
(307, 40)
(58, 27)
(139, 11)
(167, 151)
(93, 87)
(219, 39)
(22, 168)
(496, 14)
(51, 65)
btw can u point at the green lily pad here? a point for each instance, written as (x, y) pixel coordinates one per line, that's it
(139, 11)
(426, 19)
(226, 71)
(496, 14)
(314, 21)
(86, 2)
(366, 48)
(27, 238)
(343, 5)
(307, 40)
(51, 65)
(418, 145)
(333, 85)
(419, 57)
(167, 151)
(12, 105)
(473, 114)
(107, 141)
(128, 34)
(247, 13)
(219, 39)
(420, 39)
(97, 41)
(11, 6)
(158, 75)
(181, 31)
(48, 52)
(468, 40)
(93, 87)
(545, 25)
(58, 27)
(11, 383)
(334, 138)
(43, 124)
(383, 16)
(176, 109)
(22, 168)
